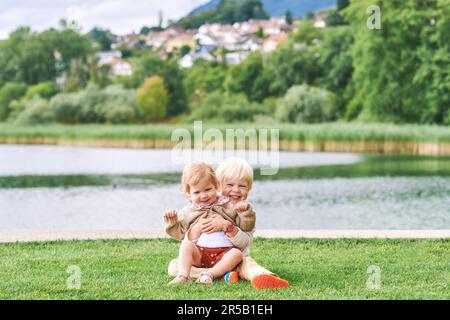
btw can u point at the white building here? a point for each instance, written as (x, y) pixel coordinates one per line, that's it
(119, 67)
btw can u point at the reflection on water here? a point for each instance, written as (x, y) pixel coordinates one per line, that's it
(20, 160)
(375, 192)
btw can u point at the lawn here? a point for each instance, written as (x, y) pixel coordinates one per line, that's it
(316, 269)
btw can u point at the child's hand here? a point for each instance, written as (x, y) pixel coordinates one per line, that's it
(171, 215)
(241, 206)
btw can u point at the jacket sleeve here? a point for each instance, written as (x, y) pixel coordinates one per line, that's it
(242, 239)
(247, 219)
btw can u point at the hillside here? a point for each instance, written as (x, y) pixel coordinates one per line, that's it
(298, 8)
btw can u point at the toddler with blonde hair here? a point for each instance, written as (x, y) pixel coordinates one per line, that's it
(202, 246)
(235, 180)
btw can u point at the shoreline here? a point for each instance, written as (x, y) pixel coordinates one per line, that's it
(377, 147)
(24, 236)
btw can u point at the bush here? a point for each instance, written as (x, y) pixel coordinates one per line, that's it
(113, 104)
(37, 111)
(447, 118)
(45, 90)
(89, 99)
(9, 92)
(307, 104)
(153, 99)
(119, 105)
(119, 114)
(228, 108)
(66, 107)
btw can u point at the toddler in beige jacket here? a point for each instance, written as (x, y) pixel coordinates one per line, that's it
(200, 248)
(235, 182)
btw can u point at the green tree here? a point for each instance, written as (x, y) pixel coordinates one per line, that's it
(150, 65)
(9, 92)
(401, 71)
(288, 17)
(227, 12)
(103, 37)
(184, 50)
(342, 4)
(294, 63)
(252, 78)
(309, 15)
(307, 33)
(260, 33)
(173, 82)
(335, 18)
(31, 57)
(153, 99)
(45, 90)
(202, 79)
(337, 64)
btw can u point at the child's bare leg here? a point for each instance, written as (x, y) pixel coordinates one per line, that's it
(189, 255)
(228, 262)
(172, 270)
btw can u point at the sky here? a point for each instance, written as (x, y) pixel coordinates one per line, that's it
(119, 16)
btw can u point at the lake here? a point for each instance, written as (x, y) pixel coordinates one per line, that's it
(74, 188)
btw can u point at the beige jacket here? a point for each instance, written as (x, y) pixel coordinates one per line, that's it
(188, 216)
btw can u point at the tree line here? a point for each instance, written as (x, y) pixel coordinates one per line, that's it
(345, 72)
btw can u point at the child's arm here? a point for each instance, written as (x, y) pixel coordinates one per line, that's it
(241, 207)
(171, 216)
(173, 225)
(196, 229)
(247, 216)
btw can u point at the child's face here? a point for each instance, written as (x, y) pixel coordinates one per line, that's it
(235, 189)
(204, 193)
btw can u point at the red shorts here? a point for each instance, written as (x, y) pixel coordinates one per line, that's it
(210, 256)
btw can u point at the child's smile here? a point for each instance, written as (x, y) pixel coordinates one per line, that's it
(203, 193)
(236, 190)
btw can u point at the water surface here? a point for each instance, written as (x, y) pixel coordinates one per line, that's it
(68, 188)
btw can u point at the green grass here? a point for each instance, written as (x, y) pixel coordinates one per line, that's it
(304, 132)
(316, 269)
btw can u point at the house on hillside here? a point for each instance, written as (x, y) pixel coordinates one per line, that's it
(207, 42)
(272, 42)
(130, 40)
(119, 67)
(319, 22)
(187, 61)
(159, 39)
(185, 39)
(236, 57)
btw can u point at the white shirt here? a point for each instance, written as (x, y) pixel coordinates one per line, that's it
(214, 240)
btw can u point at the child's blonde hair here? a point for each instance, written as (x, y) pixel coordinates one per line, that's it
(193, 172)
(235, 168)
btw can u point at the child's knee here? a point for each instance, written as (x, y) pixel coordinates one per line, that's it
(236, 253)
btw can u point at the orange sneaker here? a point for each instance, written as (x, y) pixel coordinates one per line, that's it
(231, 277)
(264, 281)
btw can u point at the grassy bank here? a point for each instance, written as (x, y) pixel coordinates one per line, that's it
(316, 269)
(333, 137)
(304, 132)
